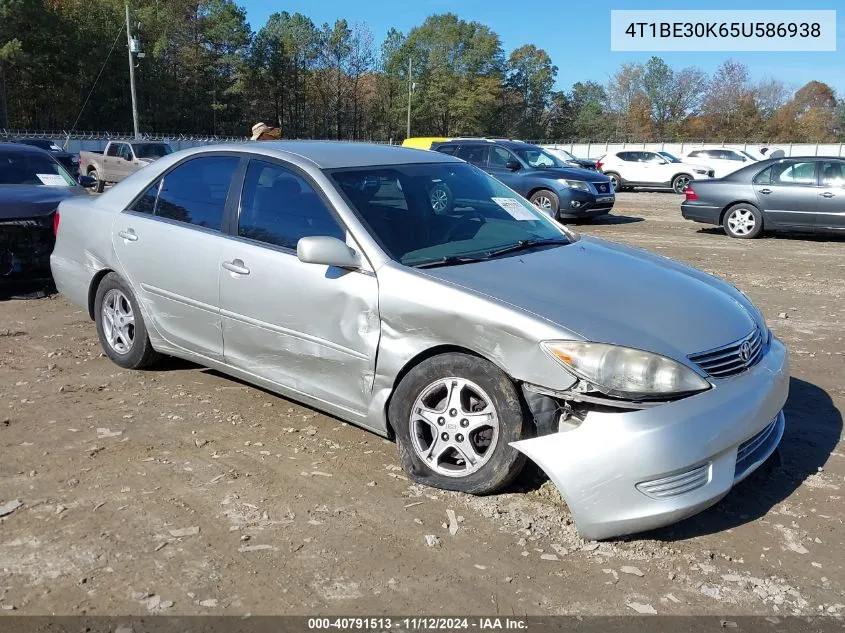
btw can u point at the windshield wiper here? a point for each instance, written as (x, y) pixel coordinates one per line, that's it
(452, 260)
(523, 244)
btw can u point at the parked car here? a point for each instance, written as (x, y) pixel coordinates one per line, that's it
(423, 142)
(639, 168)
(560, 191)
(723, 161)
(119, 160)
(32, 183)
(475, 337)
(780, 194)
(68, 160)
(570, 159)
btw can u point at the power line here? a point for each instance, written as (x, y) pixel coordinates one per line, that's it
(102, 68)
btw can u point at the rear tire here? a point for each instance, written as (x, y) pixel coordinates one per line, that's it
(615, 180)
(743, 221)
(434, 404)
(120, 325)
(100, 184)
(547, 201)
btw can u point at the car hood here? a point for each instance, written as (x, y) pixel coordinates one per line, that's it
(610, 293)
(696, 165)
(572, 173)
(31, 201)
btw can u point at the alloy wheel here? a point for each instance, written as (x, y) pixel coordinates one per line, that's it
(118, 321)
(741, 222)
(439, 199)
(454, 427)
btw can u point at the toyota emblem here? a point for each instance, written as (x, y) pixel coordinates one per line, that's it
(745, 352)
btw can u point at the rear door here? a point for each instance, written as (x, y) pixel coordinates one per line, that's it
(169, 246)
(831, 213)
(787, 192)
(311, 329)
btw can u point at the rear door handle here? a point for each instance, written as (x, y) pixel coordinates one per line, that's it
(129, 235)
(766, 191)
(827, 194)
(236, 266)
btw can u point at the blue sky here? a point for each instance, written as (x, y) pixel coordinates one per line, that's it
(576, 33)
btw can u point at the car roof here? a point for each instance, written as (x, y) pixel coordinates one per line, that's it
(22, 148)
(339, 154)
(504, 142)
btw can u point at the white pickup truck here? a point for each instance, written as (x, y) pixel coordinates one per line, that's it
(119, 160)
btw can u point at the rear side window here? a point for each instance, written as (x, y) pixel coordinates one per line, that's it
(280, 207)
(147, 202)
(696, 154)
(474, 154)
(626, 156)
(447, 149)
(195, 192)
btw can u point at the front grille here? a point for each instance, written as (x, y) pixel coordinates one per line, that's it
(602, 187)
(676, 484)
(757, 448)
(731, 359)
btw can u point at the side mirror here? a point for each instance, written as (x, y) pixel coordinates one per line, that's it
(513, 165)
(326, 251)
(86, 181)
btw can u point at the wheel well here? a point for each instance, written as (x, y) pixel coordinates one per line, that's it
(682, 173)
(416, 360)
(733, 204)
(535, 190)
(92, 290)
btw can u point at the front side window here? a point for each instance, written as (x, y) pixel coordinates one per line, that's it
(537, 158)
(833, 174)
(499, 157)
(195, 191)
(279, 207)
(125, 152)
(114, 149)
(427, 213)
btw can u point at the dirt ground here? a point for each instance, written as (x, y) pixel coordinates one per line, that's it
(183, 491)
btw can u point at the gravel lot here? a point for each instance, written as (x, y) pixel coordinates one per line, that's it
(183, 491)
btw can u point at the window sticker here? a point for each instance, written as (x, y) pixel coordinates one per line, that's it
(52, 180)
(515, 209)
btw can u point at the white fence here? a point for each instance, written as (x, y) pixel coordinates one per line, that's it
(599, 149)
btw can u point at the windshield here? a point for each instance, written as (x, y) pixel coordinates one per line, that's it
(748, 155)
(536, 157)
(422, 213)
(32, 168)
(151, 150)
(669, 157)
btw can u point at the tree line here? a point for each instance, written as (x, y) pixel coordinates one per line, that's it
(206, 71)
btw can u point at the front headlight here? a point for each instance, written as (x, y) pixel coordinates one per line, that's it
(700, 171)
(574, 184)
(624, 372)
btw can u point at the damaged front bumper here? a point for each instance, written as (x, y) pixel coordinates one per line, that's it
(622, 472)
(25, 247)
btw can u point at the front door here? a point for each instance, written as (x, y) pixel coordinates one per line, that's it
(312, 329)
(497, 167)
(169, 243)
(831, 213)
(787, 193)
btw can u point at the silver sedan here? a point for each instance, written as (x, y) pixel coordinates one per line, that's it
(413, 295)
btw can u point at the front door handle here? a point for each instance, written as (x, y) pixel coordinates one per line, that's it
(766, 191)
(826, 194)
(129, 235)
(236, 266)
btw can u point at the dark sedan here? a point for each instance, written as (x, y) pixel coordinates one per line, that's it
(68, 160)
(780, 194)
(32, 184)
(561, 191)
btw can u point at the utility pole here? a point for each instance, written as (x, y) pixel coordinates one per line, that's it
(410, 91)
(130, 46)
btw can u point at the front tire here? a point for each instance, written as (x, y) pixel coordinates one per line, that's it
(455, 416)
(120, 325)
(547, 201)
(615, 180)
(743, 221)
(681, 182)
